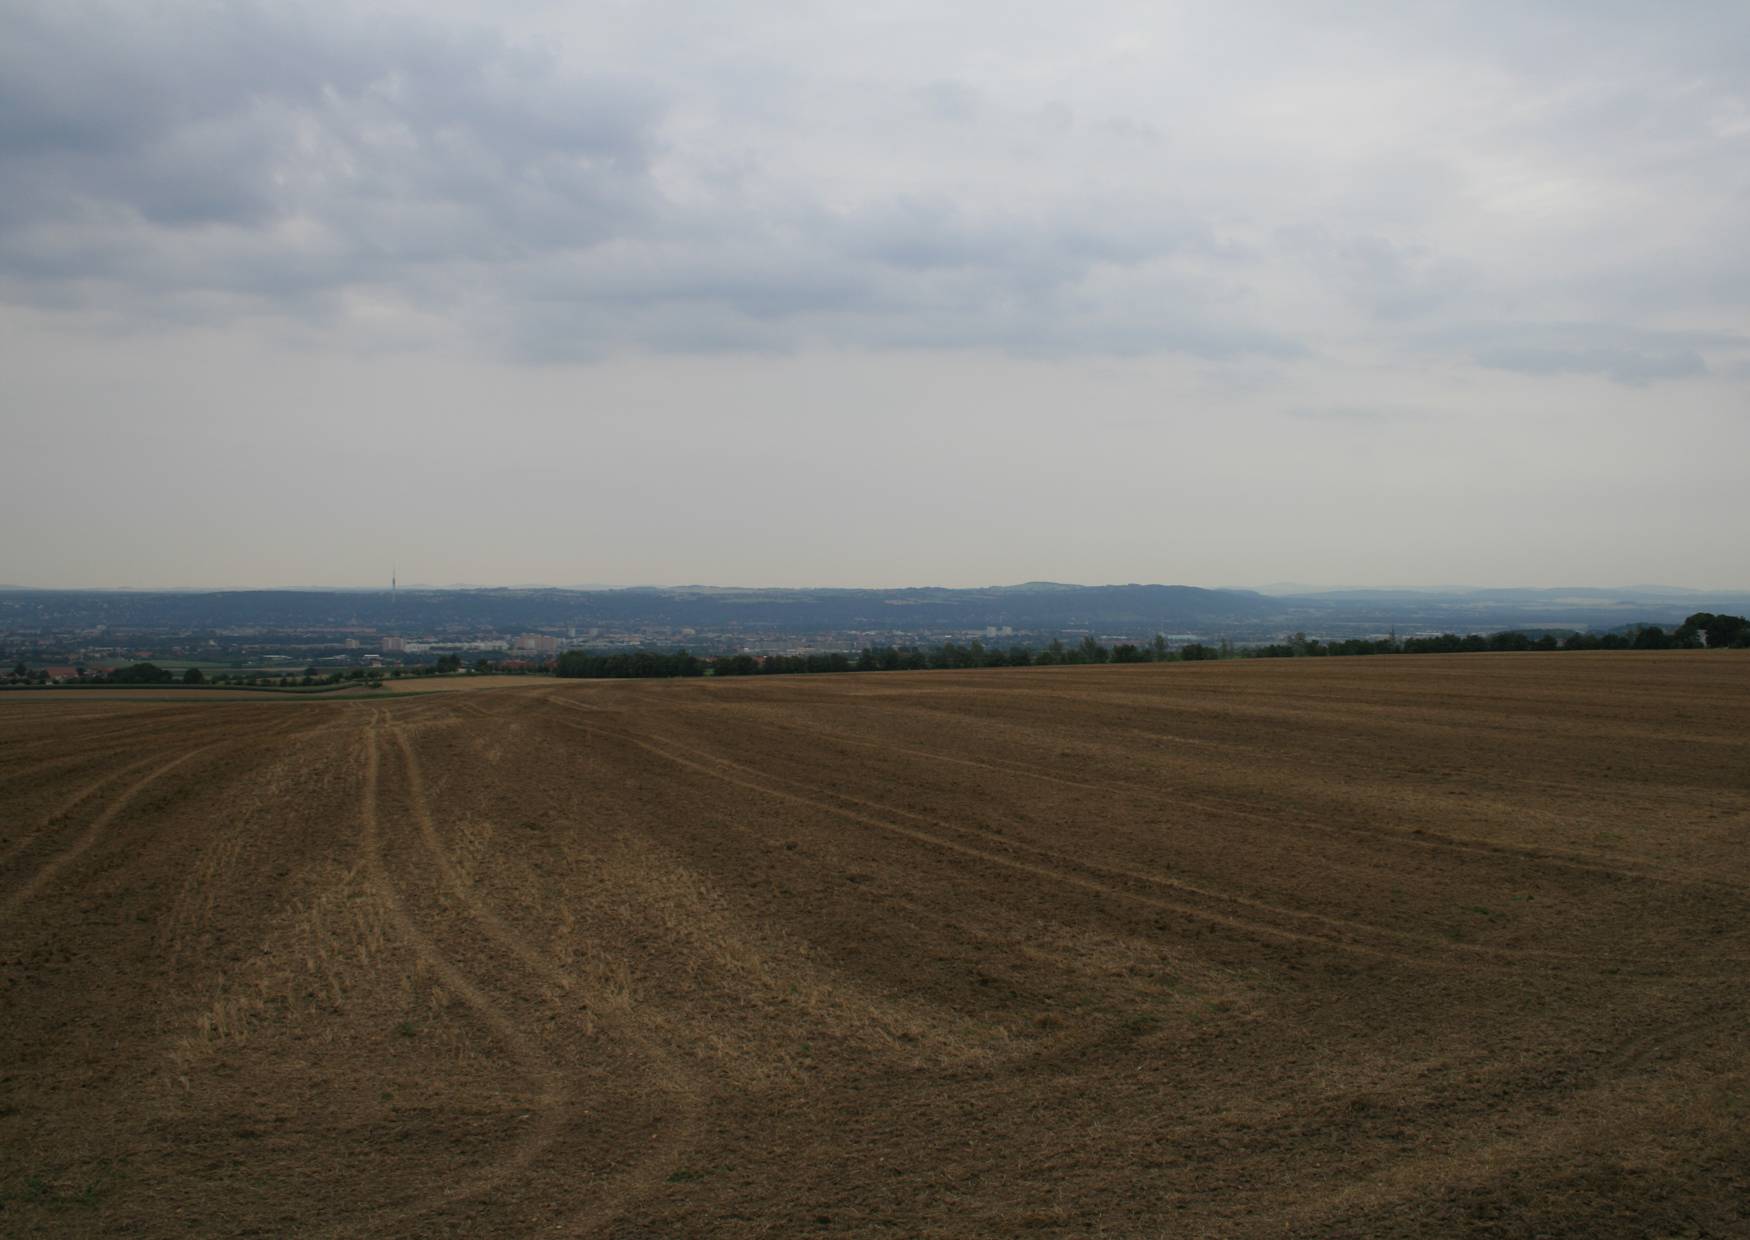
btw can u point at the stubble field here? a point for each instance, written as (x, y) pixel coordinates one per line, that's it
(1346, 947)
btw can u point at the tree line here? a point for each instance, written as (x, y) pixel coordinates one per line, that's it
(1700, 629)
(949, 655)
(152, 674)
(1704, 628)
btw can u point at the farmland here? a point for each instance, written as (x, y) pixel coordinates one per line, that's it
(1359, 947)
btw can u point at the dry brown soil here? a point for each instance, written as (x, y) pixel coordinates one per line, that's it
(472, 681)
(1346, 947)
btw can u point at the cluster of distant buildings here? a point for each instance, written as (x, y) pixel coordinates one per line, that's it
(527, 643)
(60, 673)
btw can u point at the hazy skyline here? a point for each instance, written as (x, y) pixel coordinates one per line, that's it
(750, 294)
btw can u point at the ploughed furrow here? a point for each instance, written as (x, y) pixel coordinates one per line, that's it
(1022, 860)
(114, 806)
(1339, 948)
(1286, 787)
(23, 777)
(1230, 910)
(1310, 818)
(67, 804)
(141, 724)
(108, 772)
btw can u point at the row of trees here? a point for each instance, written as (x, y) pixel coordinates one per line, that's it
(311, 677)
(1301, 646)
(647, 663)
(1703, 628)
(152, 674)
(949, 655)
(632, 664)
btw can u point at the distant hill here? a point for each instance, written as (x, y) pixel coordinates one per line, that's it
(1033, 606)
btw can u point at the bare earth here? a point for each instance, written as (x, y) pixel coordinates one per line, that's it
(1347, 947)
(448, 684)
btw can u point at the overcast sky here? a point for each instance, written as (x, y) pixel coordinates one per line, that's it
(768, 293)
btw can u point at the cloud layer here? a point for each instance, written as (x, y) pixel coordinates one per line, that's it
(756, 292)
(1537, 189)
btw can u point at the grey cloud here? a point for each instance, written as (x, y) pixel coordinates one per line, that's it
(1132, 130)
(1052, 248)
(1360, 415)
(1623, 365)
(812, 288)
(1388, 279)
(562, 200)
(383, 145)
(179, 158)
(950, 101)
(1625, 355)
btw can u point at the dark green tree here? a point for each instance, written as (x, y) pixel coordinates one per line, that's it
(1652, 637)
(141, 674)
(1717, 630)
(1092, 651)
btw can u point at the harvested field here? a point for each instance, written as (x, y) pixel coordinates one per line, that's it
(471, 682)
(1334, 947)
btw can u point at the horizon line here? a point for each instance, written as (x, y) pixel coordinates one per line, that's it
(1268, 588)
